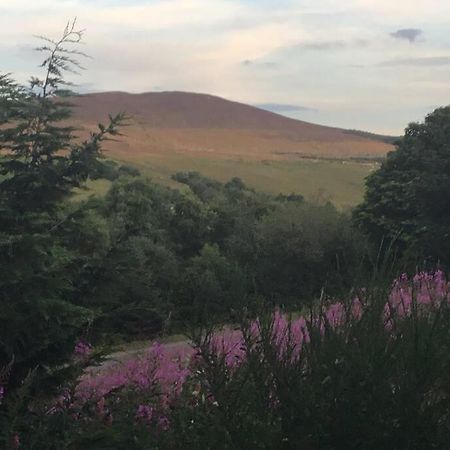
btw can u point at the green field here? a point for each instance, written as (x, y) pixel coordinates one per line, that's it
(342, 182)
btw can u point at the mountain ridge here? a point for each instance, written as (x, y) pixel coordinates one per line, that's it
(180, 95)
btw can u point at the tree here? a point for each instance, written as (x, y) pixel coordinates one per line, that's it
(211, 288)
(408, 199)
(40, 166)
(152, 229)
(302, 248)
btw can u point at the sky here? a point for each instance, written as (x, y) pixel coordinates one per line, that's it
(373, 65)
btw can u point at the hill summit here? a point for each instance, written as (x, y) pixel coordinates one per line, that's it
(210, 126)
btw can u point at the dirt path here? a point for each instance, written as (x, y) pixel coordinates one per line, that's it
(120, 357)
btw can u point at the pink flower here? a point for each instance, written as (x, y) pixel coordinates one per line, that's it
(164, 369)
(101, 411)
(336, 315)
(163, 423)
(357, 309)
(144, 412)
(82, 349)
(15, 442)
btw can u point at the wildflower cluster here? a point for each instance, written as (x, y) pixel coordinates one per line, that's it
(242, 387)
(168, 367)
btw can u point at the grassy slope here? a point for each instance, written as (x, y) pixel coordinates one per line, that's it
(340, 181)
(175, 131)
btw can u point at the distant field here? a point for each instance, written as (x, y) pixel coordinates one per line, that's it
(342, 182)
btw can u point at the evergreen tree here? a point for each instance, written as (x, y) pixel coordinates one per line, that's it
(40, 165)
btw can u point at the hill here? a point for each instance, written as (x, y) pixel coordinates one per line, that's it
(172, 131)
(180, 122)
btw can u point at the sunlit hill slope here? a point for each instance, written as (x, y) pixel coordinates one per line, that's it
(171, 131)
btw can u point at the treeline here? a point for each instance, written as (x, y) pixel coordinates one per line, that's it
(152, 257)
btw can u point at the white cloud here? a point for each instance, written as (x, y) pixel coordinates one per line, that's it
(303, 51)
(425, 10)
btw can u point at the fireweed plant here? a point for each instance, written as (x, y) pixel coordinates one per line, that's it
(372, 372)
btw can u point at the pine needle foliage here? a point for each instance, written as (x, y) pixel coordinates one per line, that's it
(41, 163)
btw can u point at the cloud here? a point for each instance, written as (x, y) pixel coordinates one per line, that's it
(283, 107)
(264, 64)
(324, 45)
(409, 34)
(295, 51)
(423, 10)
(426, 61)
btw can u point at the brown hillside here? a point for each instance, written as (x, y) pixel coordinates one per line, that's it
(204, 125)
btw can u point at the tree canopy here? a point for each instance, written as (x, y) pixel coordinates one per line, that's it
(407, 200)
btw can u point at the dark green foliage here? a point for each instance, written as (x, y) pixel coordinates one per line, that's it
(290, 198)
(373, 136)
(138, 207)
(408, 198)
(288, 248)
(301, 248)
(128, 170)
(235, 207)
(150, 232)
(132, 287)
(40, 166)
(107, 170)
(204, 188)
(204, 253)
(211, 288)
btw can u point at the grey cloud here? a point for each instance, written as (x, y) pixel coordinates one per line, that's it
(333, 45)
(265, 64)
(431, 61)
(330, 45)
(288, 52)
(408, 34)
(326, 45)
(282, 107)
